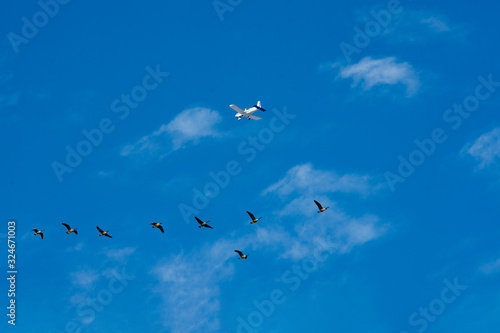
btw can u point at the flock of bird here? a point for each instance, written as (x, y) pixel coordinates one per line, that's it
(158, 225)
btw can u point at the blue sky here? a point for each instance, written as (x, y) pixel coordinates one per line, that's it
(117, 115)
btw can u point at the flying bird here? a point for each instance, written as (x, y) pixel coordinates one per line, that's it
(242, 256)
(254, 220)
(38, 232)
(158, 225)
(321, 209)
(202, 224)
(70, 230)
(103, 233)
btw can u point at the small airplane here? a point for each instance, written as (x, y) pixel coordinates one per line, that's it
(247, 112)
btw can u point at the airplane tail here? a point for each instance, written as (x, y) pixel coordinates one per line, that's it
(259, 107)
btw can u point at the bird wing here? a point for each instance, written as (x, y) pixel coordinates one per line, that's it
(318, 204)
(67, 226)
(34, 230)
(161, 228)
(251, 215)
(108, 235)
(100, 230)
(239, 252)
(199, 221)
(76, 232)
(206, 225)
(41, 234)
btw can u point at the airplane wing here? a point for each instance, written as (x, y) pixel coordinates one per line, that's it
(237, 109)
(254, 117)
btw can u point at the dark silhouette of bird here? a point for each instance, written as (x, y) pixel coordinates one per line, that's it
(158, 225)
(242, 256)
(103, 233)
(70, 230)
(203, 224)
(254, 220)
(321, 209)
(38, 232)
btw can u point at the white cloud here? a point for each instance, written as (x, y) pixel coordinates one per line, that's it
(335, 227)
(386, 71)
(491, 267)
(120, 255)
(299, 188)
(189, 287)
(84, 278)
(486, 148)
(436, 24)
(304, 178)
(189, 126)
(414, 26)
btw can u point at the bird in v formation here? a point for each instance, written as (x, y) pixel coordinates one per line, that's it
(160, 227)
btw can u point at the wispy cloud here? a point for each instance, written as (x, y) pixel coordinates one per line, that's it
(385, 71)
(298, 189)
(86, 281)
(336, 227)
(189, 126)
(120, 255)
(413, 26)
(485, 149)
(435, 23)
(84, 278)
(304, 178)
(189, 285)
(491, 267)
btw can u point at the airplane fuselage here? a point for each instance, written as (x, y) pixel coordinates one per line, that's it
(247, 113)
